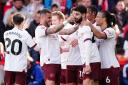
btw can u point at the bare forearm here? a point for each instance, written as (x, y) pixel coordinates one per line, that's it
(68, 31)
(54, 29)
(97, 33)
(57, 28)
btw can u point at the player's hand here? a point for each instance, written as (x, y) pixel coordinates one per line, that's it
(71, 18)
(61, 51)
(87, 69)
(87, 22)
(74, 43)
(76, 25)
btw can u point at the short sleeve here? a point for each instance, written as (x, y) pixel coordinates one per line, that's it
(29, 41)
(85, 33)
(40, 32)
(110, 33)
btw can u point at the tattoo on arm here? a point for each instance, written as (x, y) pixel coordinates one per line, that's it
(54, 29)
(68, 31)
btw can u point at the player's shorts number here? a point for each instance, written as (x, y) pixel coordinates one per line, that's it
(13, 46)
(108, 80)
(81, 74)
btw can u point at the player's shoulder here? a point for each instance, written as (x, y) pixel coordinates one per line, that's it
(110, 29)
(25, 33)
(40, 28)
(6, 32)
(110, 32)
(84, 29)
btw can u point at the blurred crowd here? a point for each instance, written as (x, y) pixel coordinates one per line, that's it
(30, 8)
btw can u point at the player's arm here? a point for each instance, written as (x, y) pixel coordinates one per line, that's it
(36, 47)
(69, 30)
(57, 28)
(31, 43)
(98, 34)
(87, 43)
(54, 29)
(85, 49)
(106, 34)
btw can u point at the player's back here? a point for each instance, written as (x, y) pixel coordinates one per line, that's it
(16, 42)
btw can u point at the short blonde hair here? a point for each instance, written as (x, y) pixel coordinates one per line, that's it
(59, 14)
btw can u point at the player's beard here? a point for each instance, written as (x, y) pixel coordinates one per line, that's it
(48, 24)
(79, 20)
(98, 24)
(72, 23)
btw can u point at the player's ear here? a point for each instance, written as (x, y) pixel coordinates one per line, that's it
(61, 20)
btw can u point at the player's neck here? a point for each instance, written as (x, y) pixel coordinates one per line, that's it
(20, 27)
(103, 26)
(83, 22)
(43, 24)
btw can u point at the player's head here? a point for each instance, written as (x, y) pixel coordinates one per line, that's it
(57, 17)
(18, 19)
(79, 12)
(91, 13)
(81, 9)
(45, 17)
(104, 17)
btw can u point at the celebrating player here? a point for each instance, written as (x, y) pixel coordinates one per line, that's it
(109, 63)
(17, 41)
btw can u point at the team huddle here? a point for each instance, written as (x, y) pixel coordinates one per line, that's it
(78, 50)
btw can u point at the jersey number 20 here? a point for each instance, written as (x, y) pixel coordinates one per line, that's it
(12, 44)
